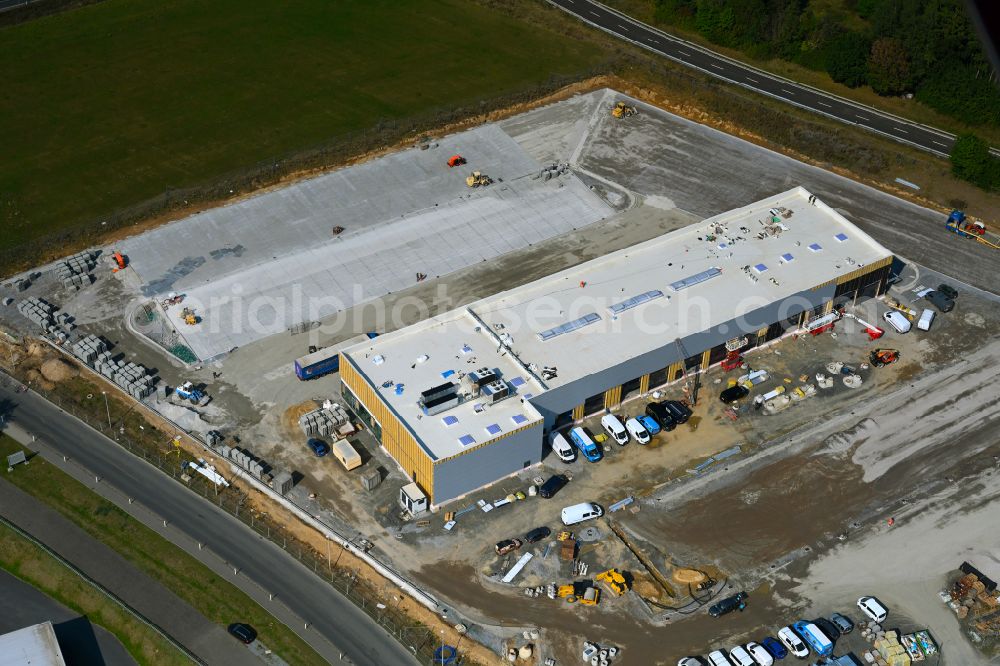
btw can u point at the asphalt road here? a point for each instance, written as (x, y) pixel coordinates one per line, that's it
(336, 619)
(22, 605)
(698, 57)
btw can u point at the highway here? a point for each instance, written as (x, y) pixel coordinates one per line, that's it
(353, 633)
(698, 57)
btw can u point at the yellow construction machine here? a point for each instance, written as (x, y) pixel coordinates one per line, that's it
(614, 580)
(478, 179)
(623, 110)
(189, 317)
(583, 592)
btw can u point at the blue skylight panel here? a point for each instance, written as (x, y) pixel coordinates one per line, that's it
(449, 420)
(493, 429)
(466, 440)
(635, 301)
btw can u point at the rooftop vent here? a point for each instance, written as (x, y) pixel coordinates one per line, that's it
(439, 398)
(635, 301)
(569, 326)
(697, 278)
(496, 391)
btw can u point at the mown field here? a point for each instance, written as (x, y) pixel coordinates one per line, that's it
(112, 105)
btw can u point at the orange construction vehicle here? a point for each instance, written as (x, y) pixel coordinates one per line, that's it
(120, 261)
(456, 160)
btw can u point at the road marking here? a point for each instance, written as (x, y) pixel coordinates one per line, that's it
(684, 53)
(900, 130)
(752, 79)
(862, 117)
(939, 143)
(790, 92)
(824, 104)
(623, 27)
(595, 14)
(715, 65)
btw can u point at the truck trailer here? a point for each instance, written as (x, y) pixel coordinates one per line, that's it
(326, 360)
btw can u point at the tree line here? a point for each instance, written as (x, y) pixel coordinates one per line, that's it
(927, 48)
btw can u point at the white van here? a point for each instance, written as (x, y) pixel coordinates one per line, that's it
(873, 608)
(741, 657)
(578, 513)
(897, 321)
(926, 319)
(793, 642)
(615, 429)
(562, 448)
(637, 430)
(718, 658)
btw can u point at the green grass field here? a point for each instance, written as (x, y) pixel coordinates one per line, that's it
(33, 565)
(110, 105)
(216, 599)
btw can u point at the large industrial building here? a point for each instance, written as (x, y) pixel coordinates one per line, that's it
(464, 399)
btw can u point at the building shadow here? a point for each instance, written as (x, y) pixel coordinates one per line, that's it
(78, 643)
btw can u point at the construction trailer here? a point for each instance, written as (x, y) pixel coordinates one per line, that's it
(464, 399)
(324, 361)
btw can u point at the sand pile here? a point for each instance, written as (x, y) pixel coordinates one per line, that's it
(57, 370)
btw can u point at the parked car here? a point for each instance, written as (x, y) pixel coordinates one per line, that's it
(948, 291)
(689, 661)
(843, 623)
(940, 301)
(828, 628)
(729, 604)
(554, 484)
(661, 415)
(774, 647)
(897, 321)
(718, 658)
(615, 429)
(243, 632)
(926, 319)
(791, 641)
(537, 534)
(873, 608)
(638, 432)
(571, 515)
(508, 546)
(649, 423)
(761, 656)
(562, 448)
(319, 447)
(734, 393)
(678, 410)
(740, 657)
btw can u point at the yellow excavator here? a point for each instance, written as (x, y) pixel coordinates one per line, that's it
(614, 580)
(623, 110)
(190, 318)
(583, 592)
(478, 179)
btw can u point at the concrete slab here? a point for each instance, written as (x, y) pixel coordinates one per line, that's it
(259, 267)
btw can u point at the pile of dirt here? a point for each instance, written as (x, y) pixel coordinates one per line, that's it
(646, 588)
(57, 370)
(35, 379)
(290, 419)
(688, 576)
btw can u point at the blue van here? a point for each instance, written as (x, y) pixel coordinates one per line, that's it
(585, 444)
(814, 638)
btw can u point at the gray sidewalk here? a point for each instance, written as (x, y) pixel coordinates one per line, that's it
(148, 597)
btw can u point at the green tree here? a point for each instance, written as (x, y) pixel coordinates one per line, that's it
(888, 67)
(971, 161)
(847, 59)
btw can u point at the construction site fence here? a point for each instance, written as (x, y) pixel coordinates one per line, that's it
(379, 603)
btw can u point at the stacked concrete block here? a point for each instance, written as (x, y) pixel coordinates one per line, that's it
(282, 482)
(326, 421)
(88, 348)
(39, 311)
(74, 271)
(133, 378)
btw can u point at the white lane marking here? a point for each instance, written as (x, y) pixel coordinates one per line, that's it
(862, 117)
(684, 53)
(824, 104)
(715, 65)
(595, 14)
(900, 130)
(790, 92)
(750, 78)
(939, 143)
(624, 27)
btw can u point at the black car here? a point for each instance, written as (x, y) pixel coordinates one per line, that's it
(678, 410)
(948, 291)
(553, 485)
(729, 604)
(244, 632)
(828, 628)
(537, 534)
(734, 393)
(940, 301)
(659, 413)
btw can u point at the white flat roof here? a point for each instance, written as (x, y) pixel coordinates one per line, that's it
(395, 364)
(611, 309)
(634, 300)
(35, 645)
